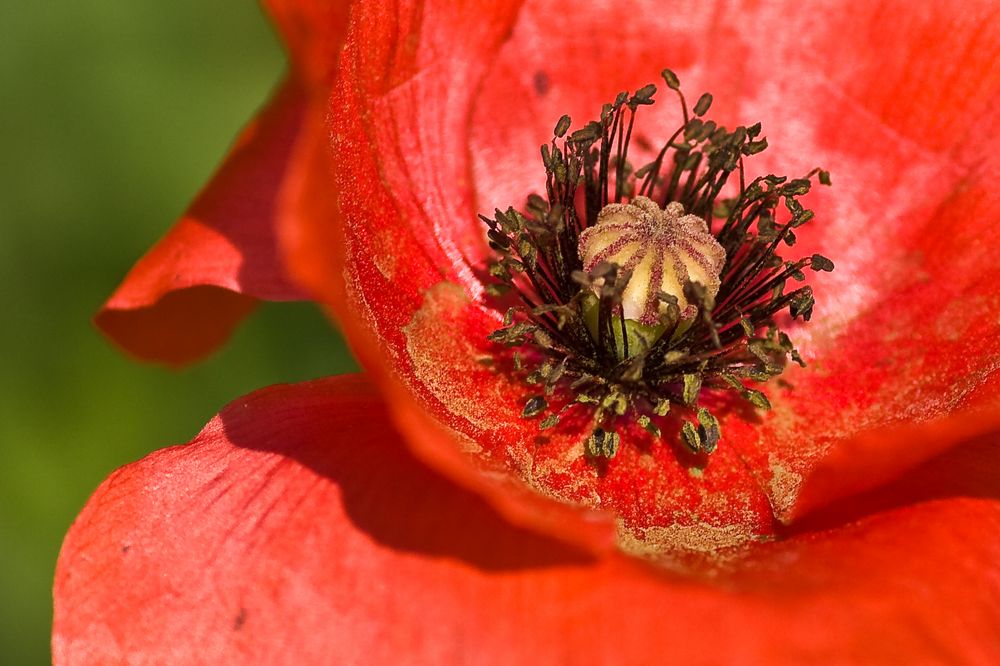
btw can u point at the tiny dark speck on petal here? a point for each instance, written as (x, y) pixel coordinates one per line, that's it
(125, 549)
(240, 619)
(541, 82)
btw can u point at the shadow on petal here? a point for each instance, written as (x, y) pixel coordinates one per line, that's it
(297, 528)
(385, 491)
(969, 470)
(182, 326)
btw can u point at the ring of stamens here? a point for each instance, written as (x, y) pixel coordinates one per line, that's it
(597, 327)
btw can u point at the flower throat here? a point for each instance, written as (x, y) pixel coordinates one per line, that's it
(635, 294)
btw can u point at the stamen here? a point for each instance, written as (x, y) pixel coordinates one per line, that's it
(644, 289)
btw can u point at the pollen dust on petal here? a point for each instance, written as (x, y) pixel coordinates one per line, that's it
(385, 257)
(480, 403)
(784, 484)
(445, 360)
(681, 546)
(783, 476)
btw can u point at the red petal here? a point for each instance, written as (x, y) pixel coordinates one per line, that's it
(314, 33)
(897, 343)
(188, 293)
(297, 529)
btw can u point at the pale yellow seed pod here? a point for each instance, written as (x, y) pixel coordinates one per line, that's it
(664, 249)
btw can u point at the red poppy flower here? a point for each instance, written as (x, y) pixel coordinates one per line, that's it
(413, 514)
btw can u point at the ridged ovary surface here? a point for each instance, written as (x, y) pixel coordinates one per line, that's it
(664, 249)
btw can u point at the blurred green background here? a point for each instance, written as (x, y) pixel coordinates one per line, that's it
(113, 115)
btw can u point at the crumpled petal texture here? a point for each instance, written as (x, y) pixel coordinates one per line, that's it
(904, 352)
(297, 528)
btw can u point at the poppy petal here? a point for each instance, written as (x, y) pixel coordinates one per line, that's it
(189, 292)
(441, 130)
(296, 528)
(313, 31)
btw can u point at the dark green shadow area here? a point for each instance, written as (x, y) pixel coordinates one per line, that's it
(113, 115)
